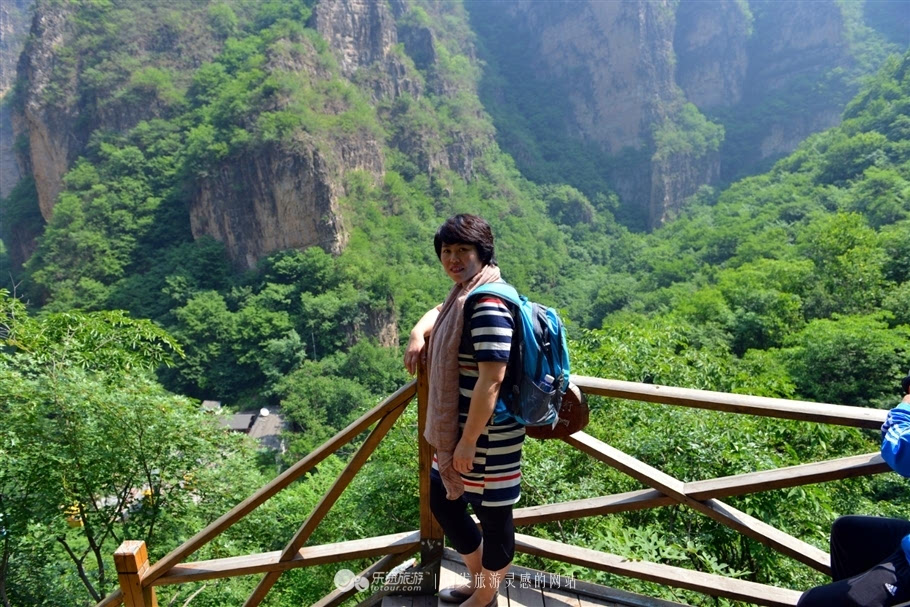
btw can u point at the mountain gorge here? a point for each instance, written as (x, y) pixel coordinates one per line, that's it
(177, 150)
(235, 200)
(668, 96)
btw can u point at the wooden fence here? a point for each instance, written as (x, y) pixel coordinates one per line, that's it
(138, 578)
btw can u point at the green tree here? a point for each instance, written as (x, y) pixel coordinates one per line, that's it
(849, 264)
(764, 301)
(94, 450)
(849, 360)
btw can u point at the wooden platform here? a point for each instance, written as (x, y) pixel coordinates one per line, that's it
(531, 588)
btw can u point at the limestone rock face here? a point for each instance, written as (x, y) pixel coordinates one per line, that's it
(10, 171)
(362, 33)
(620, 55)
(785, 136)
(47, 118)
(621, 84)
(676, 178)
(798, 43)
(276, 198)
(625, 68)
(798, 40)
(14, 23)
(710, 42)
(58, 116)
(615, 62)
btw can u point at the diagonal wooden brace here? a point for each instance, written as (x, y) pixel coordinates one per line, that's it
(715, 509)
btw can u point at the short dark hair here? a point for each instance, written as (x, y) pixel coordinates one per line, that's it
(905, 385)
(467, 229)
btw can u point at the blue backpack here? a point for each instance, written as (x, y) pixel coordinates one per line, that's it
(538, 372)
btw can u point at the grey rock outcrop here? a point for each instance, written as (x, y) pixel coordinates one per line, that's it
(271, 199)
(625, 68)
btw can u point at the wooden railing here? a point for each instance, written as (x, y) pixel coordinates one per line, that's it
(138, 578)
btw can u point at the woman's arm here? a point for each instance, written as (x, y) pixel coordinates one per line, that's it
(483, 401)
(418, 339)
(896, 438)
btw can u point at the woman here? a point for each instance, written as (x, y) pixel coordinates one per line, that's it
(869, 555)
(478, 445)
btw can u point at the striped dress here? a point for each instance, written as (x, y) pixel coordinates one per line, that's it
(496, 476)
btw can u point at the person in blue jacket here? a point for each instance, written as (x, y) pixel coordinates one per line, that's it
(870, 556)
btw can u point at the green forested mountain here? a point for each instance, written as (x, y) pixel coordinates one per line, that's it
(236, 201)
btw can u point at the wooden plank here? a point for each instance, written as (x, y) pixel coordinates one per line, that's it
(597, 593)
(112, 600)
(399, 399)
(417, 600)
(723, 513)
(382, 566)
(325, 504)
(250, 564)
(431, 535)
(607, 595)
(860, 417)
(453, 572)
(793, 476)
(714, 585)
(523, 595)
(766, 534)
(560, 598)
(624, 462)
(594, 506)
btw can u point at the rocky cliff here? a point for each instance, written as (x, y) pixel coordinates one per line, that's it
(280, 195)
(711, 48)
(45, 117)
(272, 199)
(619, 55)
(613, 63)
(792, 56)
(617, 75)
(13, 31)
(67, 92)
(625, 68)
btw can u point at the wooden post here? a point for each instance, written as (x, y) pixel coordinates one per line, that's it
(431, 537)
(132, 562)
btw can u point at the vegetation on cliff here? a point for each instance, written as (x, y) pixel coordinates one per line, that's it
(794, 283)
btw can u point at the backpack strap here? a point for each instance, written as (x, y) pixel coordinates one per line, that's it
(507, 292)
(500, 289)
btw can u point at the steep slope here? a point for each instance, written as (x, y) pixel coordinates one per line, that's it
(262, 127)
(265, 172)
(612, 79)
(13, 31)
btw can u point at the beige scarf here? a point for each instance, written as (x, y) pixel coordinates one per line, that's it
(442, 359)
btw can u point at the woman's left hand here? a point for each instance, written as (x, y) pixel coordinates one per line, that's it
(415, 353)
(463, 458)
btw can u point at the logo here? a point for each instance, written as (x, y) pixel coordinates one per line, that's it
(345, 579)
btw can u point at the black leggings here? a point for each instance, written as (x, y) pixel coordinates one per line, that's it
(868, 566)
(461, 530)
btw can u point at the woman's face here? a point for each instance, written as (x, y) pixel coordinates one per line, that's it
(460, 261)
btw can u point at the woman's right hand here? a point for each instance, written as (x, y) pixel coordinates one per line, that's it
(415, 352)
